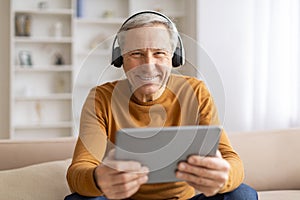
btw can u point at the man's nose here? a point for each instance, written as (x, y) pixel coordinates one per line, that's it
(148, 63)
(149, 59)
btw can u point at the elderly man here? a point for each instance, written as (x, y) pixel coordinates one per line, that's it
(150, 96)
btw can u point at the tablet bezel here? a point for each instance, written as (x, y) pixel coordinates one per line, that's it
(147, 146)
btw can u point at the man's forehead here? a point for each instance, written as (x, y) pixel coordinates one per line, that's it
(157, 37)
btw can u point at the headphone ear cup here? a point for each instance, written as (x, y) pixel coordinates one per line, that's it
(177, 57)
(117, 58)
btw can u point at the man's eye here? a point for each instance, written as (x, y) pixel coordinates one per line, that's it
(135, 53)
(160, 53)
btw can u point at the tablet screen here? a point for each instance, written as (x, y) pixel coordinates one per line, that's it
(160, 149)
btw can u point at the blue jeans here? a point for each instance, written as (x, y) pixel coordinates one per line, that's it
(243, 192)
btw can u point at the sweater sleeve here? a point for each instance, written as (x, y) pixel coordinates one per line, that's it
(89, 150)
(80, 174)
(209, 116)
(236, 172)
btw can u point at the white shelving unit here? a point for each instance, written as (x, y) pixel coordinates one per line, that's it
(41, 90)
(46, 99)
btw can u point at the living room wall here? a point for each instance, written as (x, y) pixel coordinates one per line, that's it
(4, 66)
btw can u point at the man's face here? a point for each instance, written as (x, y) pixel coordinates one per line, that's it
(147, 60)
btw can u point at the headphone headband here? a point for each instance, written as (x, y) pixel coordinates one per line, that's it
(178, 55)
(147, 12)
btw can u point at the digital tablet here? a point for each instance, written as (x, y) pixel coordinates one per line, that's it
(161, 149)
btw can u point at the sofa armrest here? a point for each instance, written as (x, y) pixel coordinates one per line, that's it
(20, 153)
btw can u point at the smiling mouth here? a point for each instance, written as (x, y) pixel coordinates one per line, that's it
(147, 78)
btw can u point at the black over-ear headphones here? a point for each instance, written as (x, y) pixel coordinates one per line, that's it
(178, 55)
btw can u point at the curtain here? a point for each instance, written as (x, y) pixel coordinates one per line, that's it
(276, 80)
(255, 45)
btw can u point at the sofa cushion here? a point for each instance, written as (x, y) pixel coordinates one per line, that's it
(279, 195)
(270, 158)
(41, 181)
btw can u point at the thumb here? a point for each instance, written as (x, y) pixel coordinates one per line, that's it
(218, 154)
(110, 157)
(111, 153)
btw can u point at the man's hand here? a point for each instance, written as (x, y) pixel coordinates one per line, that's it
(120, 179)
(206, 174)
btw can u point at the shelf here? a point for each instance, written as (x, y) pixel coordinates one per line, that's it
(93, 53)
(60, 11)
(100, 20)
(58, 96)
(38, 125)
(174, 14)
(41, 100)
(50, 68)
(43, 39)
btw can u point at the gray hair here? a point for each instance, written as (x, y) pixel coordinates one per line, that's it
(147, 20)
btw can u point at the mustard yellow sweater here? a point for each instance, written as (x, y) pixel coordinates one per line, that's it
(109, 107)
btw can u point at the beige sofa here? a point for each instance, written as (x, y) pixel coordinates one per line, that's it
(35, 170)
